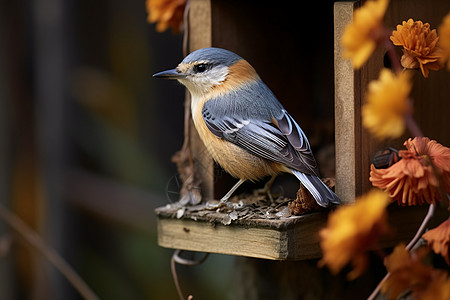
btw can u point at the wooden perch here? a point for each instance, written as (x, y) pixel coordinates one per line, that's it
(267, 237)
(278, 239)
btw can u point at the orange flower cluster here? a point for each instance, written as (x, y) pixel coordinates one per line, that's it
(420, 46)
(439, 240)
(444, 36)
(412, 180)
(359, 38)
(352, 230)
(386, 105)
(166, 13)
(408, 272)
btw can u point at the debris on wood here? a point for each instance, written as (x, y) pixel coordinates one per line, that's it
(305, 202)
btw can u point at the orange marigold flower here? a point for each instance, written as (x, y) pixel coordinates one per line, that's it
(439, 239)
(166, 13)
(352, 230)
(420, 46)
(359, 38)
(411, 180)
(386, 105)
(408, 272)
(444, 40)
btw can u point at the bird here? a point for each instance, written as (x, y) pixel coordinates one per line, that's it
(244, 127)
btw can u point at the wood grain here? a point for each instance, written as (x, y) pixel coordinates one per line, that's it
(200, 37)
(347, 102)
(290, 239)
(293, 238)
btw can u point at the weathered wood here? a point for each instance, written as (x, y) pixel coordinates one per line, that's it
(200, 37)
(292, 238)
(192, 235)
(347, 103)
(199, 24)
(289, 239)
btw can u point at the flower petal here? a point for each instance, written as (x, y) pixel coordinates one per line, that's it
(420, 46)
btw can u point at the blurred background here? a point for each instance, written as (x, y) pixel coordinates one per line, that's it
(86, 138)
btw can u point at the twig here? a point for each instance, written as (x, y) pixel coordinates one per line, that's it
(378, 288)
(187, 108)
(393, 56)
(422, 227)
(177, 259)
(175, 277)
(408, 247)
(49, 253)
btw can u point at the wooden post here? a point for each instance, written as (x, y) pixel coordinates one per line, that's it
(200, 37)
(347, 103)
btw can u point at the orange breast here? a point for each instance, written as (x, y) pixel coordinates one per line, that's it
(236, 161)
(233, 159)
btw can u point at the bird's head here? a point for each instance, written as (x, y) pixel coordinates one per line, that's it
(210, 69)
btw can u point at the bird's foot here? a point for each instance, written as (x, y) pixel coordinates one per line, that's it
(223, 203)
(267, 189)
(264, 191)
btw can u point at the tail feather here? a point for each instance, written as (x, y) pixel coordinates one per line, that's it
(321, 193)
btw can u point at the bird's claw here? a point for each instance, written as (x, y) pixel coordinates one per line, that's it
(223, 203)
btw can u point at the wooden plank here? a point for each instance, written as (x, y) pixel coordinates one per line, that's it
(197, 236)
(199, 24)
(293, 238)
(303, 242)
(200, 37)
(347, 104)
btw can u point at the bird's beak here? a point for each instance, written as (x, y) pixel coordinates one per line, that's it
(169, 74)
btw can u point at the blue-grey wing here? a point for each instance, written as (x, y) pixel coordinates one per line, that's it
(297, 138)
(265, 130)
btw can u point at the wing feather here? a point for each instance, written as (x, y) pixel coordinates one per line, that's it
(284, 142)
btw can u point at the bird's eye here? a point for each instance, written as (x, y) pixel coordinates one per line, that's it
(200, 68)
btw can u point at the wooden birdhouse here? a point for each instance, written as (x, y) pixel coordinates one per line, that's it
(293, 52)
